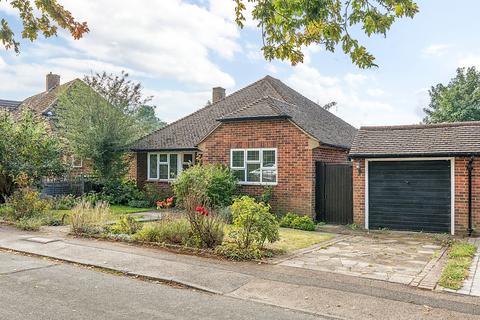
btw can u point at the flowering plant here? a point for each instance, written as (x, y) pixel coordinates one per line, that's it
(202, 211)
(167, 203)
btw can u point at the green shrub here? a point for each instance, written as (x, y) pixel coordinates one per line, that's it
(6, 212)
(88, 219)
(121, 192)
(66, 202)
(172, 231)
(234, 252)
(26, 203)
(291, 220)
(125, 225)
(266, 195)
(214, 183)
(287, 220)
(226, 214)
(139, 204)
(253, 224)
(29, 224)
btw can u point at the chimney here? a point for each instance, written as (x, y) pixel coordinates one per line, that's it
(53, 80)
(218, 93)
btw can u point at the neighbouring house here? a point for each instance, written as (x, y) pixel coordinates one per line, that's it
(266, 133)
(418, 177)
(44, 104)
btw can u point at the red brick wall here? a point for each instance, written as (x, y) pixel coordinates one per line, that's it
(359, 193)
(461, 194)
(296, 171)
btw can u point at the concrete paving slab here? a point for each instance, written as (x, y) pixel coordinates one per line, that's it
(397, 260)
(41, 240)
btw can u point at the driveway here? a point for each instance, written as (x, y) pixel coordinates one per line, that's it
(396, 258)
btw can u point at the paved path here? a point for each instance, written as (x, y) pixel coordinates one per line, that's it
(395, 258)
(310, 291)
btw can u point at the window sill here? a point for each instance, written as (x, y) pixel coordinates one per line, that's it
(258, 183)
(160, 180)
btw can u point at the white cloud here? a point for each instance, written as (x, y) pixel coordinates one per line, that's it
(375, 92)
(353, 105)
(3, 64)
(435, 50)
(172, 103)
(271, 68)
(168, 39)
(469, 60)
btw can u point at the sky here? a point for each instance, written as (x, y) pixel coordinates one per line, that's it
(180, 49)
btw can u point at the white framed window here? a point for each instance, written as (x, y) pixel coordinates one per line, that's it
(77, 162)
(254, 166)
(167, 166)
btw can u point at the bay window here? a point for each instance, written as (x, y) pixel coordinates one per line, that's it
(254, 166)
(167, 166)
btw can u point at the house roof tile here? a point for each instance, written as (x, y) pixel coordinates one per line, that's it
(267, 96)
(461, 138)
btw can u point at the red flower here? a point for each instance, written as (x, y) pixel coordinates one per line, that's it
(170, 200)
(202, 211)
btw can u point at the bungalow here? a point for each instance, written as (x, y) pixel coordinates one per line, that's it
(417, 177)
(266, 133)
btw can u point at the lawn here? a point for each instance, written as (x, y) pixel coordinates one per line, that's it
(117, 210)
(291, 239)
(459, 261)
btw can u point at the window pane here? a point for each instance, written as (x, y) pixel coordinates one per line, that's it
(188, 158)
(163, 158)
(269, 176)
(173, 166)
(237, 159)
(240, 174)
(253, 155)
(269, 159)
(153, 167)
(253, 172)
(164, 171)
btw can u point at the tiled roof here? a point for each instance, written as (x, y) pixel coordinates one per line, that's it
(9, 104)
(42, 102)
(462, 138)
(266, 107)
(187, 132)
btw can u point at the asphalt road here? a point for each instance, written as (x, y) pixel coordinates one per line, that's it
(34, 288)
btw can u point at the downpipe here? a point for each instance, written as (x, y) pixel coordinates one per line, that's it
(470, 170)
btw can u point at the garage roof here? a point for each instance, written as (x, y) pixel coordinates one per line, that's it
(445, 139)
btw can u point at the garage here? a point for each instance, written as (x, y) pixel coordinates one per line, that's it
(423, 178)
(410, 195)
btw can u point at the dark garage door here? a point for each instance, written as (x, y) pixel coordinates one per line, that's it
(409, 195)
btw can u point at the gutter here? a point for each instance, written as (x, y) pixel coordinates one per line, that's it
(470, 171)
(412, 155)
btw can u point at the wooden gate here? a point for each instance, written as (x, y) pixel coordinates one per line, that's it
(334, 193)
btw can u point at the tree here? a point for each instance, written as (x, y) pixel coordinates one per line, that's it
(96, 130)
(459, 100)
(127, 96)
(147, 121)
(41, 16)
(26, 148)
(290, 25)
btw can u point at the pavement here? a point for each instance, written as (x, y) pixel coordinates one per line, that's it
(303, 290)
